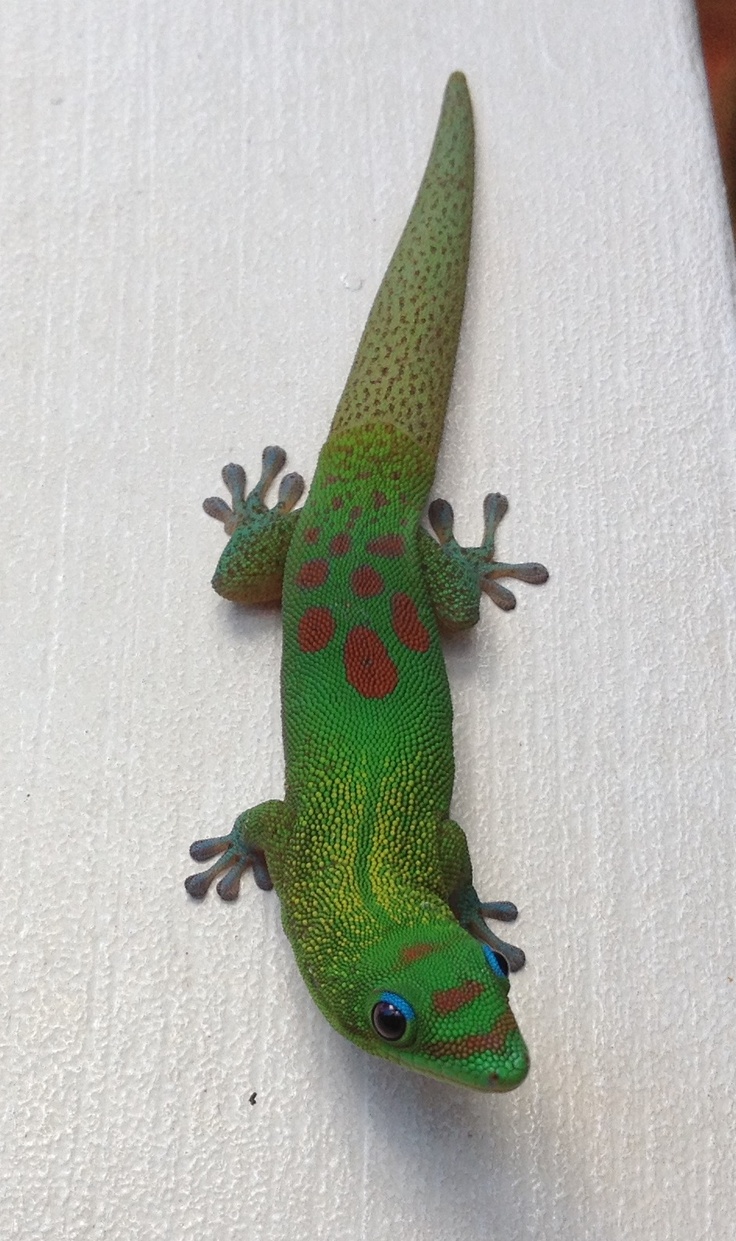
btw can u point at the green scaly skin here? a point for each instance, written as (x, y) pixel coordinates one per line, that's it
(374, 877)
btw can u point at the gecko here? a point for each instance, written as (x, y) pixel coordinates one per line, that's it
(373, 875)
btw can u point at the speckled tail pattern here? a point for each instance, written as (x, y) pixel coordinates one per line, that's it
(403, 368)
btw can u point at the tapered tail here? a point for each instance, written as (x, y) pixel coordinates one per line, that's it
(402, 371)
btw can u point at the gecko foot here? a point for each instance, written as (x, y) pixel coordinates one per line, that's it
(244, 507)
(472, 913)
(234, 856)
(481, 558)
(477, 927)
(495, 507)
(251, 568)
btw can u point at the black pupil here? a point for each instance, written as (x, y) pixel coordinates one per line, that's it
(388, 1021)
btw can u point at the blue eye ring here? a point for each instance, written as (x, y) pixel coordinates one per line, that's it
(392, 1017)
(497, 961)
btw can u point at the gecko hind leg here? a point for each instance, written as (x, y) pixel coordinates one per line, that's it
(495, 507)
(245, 507)
(250, 569)
(480, 561)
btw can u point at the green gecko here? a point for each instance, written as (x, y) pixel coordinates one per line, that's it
(373, 876)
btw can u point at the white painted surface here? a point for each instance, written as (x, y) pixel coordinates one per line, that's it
(198, 201)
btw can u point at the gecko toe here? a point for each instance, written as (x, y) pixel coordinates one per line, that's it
(502, 911)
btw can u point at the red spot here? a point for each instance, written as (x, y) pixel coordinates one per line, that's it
(407, 626)
(368, 665)
(311, 534)
(450, 1001)
(379, 499)
(468, 1045)
(337, 502)
(355, 513)
(366, 582)
(312, 573)
(415, 952)
(340, 544)
(316, 628)
(387, 545)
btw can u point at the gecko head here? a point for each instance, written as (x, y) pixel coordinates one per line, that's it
(435, 999)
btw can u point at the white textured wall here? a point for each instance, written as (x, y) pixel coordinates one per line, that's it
(198, 200)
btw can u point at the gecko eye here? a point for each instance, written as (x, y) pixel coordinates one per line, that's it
(497, 962)
(391, 1017)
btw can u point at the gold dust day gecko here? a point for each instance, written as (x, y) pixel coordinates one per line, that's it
(373, 876)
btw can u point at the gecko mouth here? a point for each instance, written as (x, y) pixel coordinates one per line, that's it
(498, 1085)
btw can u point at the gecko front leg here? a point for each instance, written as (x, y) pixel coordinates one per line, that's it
(251, 568)
(254, 834)
(457, 575)
(470, 911)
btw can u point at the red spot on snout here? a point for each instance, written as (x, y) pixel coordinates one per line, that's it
(467, 1045)
(453, 998)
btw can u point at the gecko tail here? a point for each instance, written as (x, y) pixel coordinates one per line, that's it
(403, 369)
